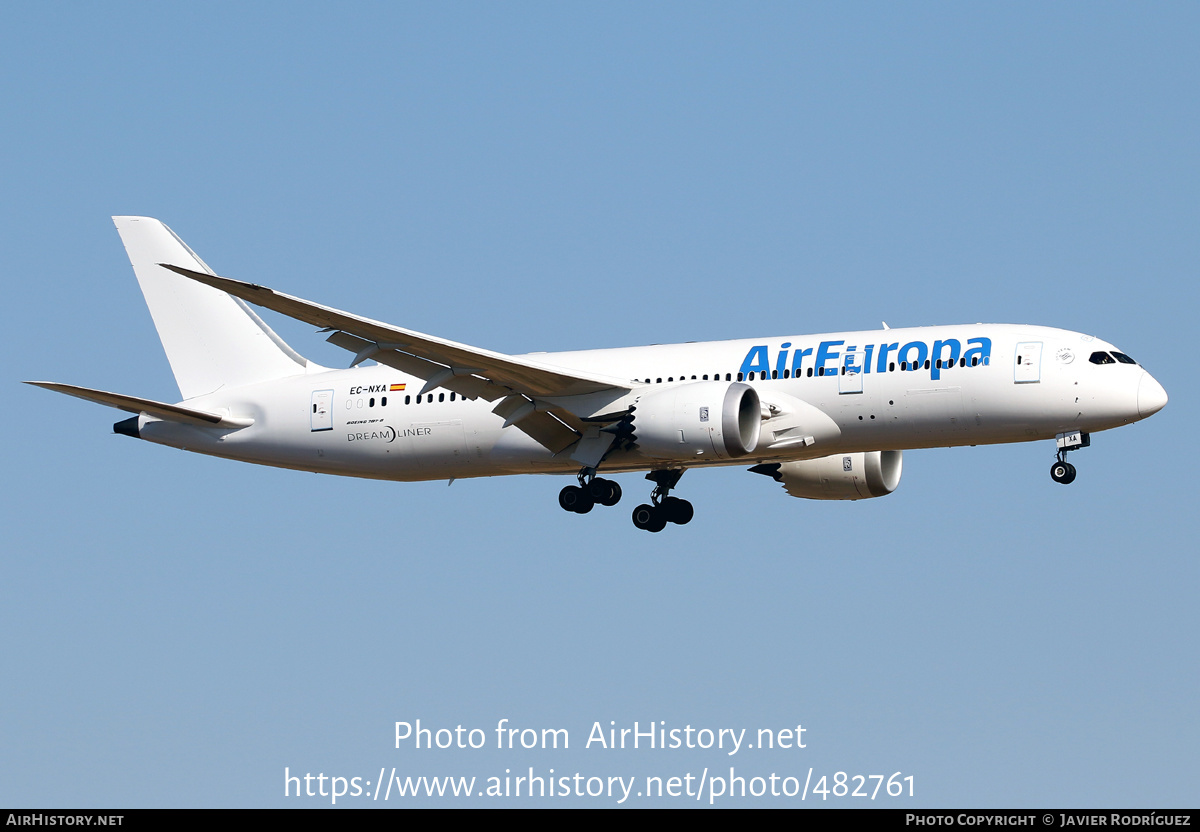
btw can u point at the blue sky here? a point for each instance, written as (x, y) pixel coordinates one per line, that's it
(539, 177)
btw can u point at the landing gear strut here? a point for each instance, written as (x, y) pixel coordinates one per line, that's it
(663, 509)
(1062, 471)
(590, 491)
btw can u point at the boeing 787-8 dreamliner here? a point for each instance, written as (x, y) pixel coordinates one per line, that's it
(828, 416)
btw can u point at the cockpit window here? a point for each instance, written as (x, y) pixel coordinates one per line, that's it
(1123, 358)
(1101, 358)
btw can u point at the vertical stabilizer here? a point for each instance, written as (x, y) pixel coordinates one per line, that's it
(212, 340)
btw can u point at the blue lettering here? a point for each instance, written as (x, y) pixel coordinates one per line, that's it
(756, 361)
(884, 349)
(855, 359)
(825, 353)
(922, 353)
(798, 359)
(982, 352)
(849, 360)
(938, 348)
(781, 361)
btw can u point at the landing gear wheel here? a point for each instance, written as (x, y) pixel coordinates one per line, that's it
(605, 492)
(573, 498)
(648, 517)
(678, 511)
(1062, 472)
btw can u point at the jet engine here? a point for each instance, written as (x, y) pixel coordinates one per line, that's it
(706, 418)
(856, 476)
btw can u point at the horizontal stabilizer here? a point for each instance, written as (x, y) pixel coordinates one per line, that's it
(160, 410)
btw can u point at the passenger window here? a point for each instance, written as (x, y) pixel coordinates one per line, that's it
(383, 402)
(408, 399)
(371, 402)
(739, 376)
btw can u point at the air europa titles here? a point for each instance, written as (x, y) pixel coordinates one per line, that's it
(830, 357)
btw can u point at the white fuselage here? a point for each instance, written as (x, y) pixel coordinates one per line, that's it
(883, 389)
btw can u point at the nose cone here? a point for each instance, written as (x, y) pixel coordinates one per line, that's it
(1151, 396)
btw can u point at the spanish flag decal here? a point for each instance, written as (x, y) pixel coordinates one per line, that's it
(395, 387)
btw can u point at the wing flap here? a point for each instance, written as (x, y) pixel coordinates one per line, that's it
(468, 386)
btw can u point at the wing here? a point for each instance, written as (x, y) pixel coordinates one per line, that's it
(519, 383)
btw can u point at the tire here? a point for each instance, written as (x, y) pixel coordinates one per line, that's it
(567, 498)
(573, 498)
(658, 520)
(644, 515)
(614, 496)
(1062, 472)
(605, 492)
(678, 511)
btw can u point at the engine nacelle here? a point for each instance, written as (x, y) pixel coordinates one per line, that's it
(705, 418)
(857, 476)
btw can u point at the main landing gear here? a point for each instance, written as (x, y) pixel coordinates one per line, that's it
(591, 490)
(1062, 471)
(663, 509)
(652, 517)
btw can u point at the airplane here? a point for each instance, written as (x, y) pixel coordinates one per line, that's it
(828, 416)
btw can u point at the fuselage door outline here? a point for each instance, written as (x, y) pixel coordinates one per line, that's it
(321, 413)
(1027, 368)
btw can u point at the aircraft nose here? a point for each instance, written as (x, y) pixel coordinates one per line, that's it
(1151, 396)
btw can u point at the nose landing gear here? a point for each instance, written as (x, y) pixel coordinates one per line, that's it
(1062, 471)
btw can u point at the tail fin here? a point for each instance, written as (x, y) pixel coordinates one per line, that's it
(212, 340)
